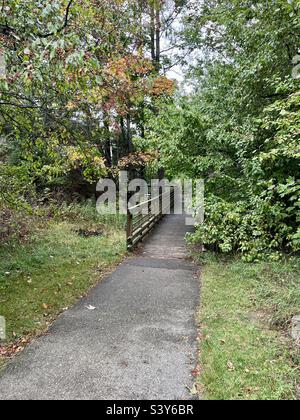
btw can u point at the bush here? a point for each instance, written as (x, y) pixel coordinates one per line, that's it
(15, 186)
(261, 226)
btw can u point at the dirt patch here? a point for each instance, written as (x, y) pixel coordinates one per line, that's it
(14, 225)
(84, 233)
(260, 318)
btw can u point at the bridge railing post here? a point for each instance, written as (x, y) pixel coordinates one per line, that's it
(129, 230)
(140, 224)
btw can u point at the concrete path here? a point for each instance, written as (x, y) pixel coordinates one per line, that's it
(139, 343)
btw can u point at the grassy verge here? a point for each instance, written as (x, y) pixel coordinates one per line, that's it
(62, 259)
(246, 352)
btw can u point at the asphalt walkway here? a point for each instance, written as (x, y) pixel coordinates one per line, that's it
(138, 343)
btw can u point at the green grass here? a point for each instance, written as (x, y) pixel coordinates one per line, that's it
(43, 276)
(246, 352)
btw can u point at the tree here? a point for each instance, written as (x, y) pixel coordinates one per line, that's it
(77, 80)
(240, 129)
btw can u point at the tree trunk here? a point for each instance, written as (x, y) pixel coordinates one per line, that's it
(158, 27)
(152, 32)
(107, 143)
(129, 135)
(155, 32)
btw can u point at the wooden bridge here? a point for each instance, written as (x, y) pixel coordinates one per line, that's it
(142, 217)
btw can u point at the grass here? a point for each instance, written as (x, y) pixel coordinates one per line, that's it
(245, 351)
(57, 265)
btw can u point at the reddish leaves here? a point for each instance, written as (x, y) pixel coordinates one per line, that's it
(11, 349)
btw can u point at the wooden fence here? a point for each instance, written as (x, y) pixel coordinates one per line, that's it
(142, 218)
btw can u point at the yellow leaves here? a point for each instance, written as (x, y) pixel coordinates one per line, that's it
(71, 105)
(117, 69)
(95, 95)
(163, 86)
(74, 155)
(130, 65)
(125, 80)
(99, 162)
(84, 158)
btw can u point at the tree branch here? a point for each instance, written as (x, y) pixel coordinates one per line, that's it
(7, 30)
(65, 25)
(18, 105)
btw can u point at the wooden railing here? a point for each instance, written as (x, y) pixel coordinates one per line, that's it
(142, 218)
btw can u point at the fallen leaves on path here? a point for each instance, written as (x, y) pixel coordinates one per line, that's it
(90, 307)
(196, 371)
(11, 349)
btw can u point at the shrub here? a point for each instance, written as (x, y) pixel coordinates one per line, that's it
(258, 227)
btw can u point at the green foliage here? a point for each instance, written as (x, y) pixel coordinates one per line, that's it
(258, 227)
(15, 185)
(75, 80)
(240, 129)
(86, 216)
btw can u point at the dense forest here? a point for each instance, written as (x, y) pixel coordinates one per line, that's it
(87, 89)
(189, 89)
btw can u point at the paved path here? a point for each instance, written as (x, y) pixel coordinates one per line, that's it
(139, 342)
